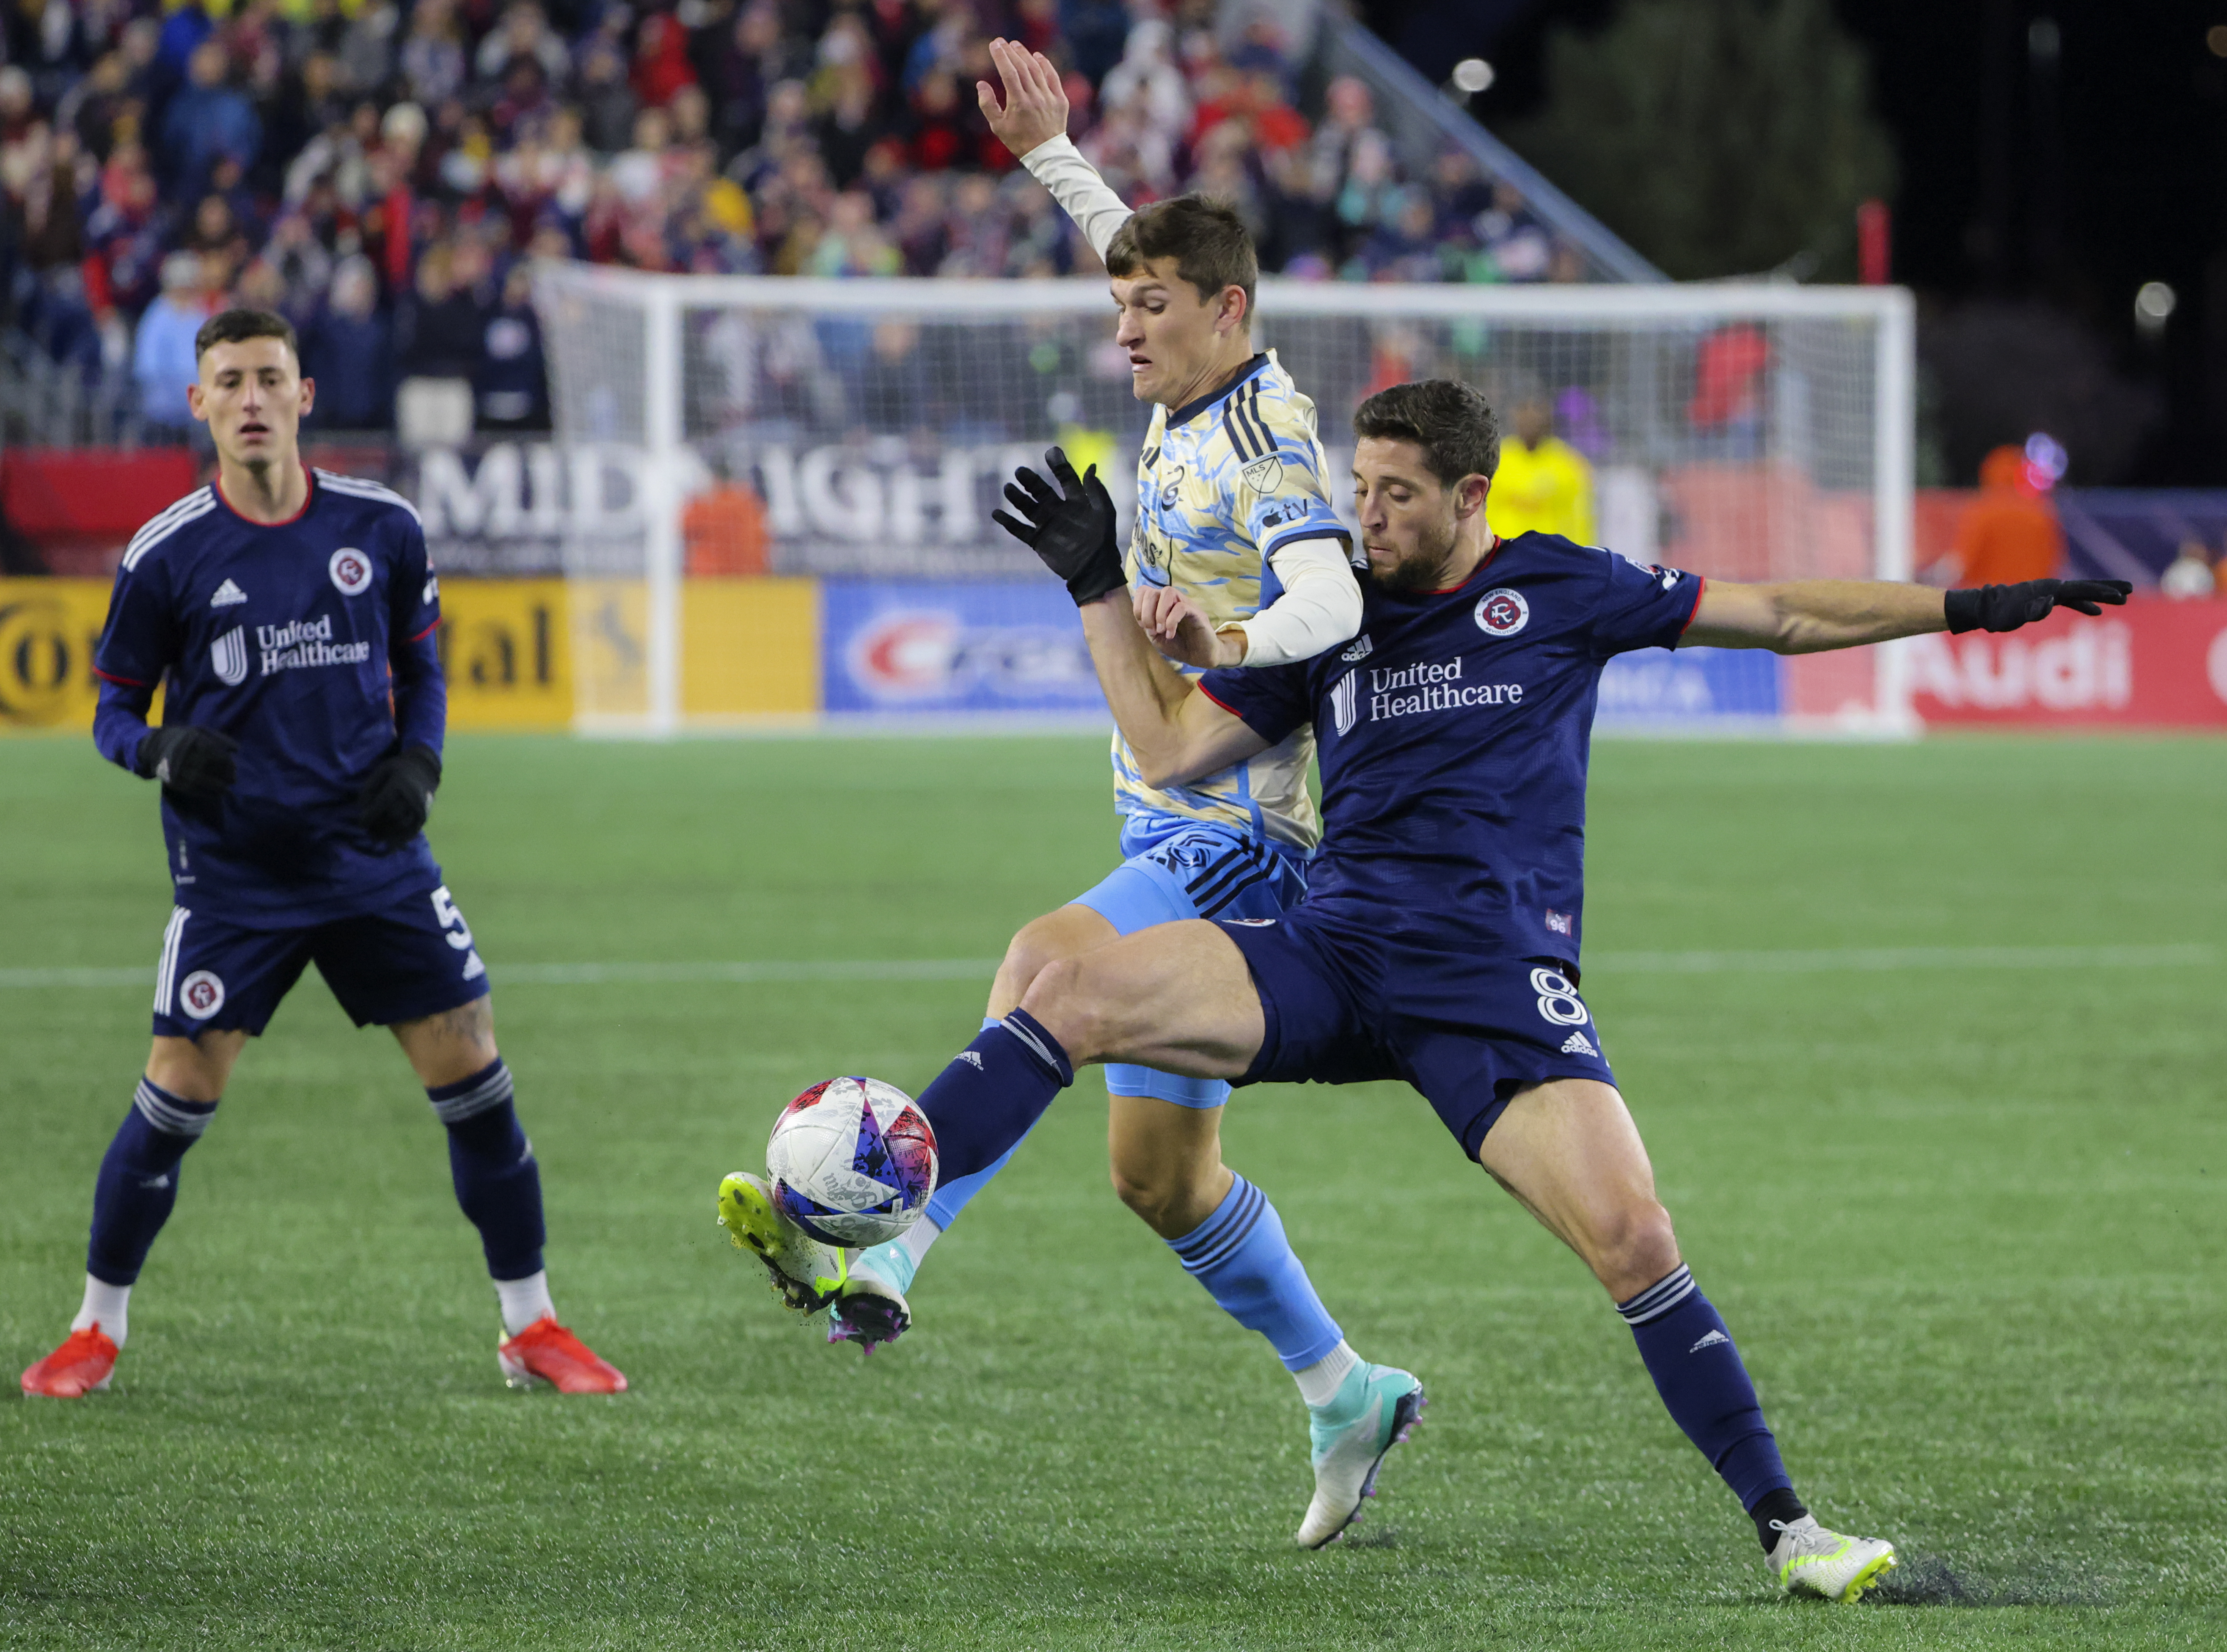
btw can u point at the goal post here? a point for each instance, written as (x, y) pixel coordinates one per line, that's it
(855, 434)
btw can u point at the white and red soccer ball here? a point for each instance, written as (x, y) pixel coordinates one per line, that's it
(852, 1161)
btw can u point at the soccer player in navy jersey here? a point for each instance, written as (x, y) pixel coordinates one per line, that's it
(290, 615)
(1438, 942)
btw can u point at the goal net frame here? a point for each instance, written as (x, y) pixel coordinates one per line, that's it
(644, 411)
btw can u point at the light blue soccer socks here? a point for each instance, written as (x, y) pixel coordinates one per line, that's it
(1698, 1372)
(990, 1096)
(1241, 1255)
(138, 1180)
(491, 1163)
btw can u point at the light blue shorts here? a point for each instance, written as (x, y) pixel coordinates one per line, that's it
(1179, 868)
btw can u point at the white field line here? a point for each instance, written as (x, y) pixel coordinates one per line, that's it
(1874, 959)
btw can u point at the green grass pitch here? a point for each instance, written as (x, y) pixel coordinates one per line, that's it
(1966, 1222)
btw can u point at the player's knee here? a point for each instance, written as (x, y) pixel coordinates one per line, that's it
(1064, 1000)
(1635, 1247)
(1026, 956)
(1160, 1198)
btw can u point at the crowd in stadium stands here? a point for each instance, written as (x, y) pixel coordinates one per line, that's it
(381, 172)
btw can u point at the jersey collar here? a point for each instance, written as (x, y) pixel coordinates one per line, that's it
(309, 499)
(1192, 409)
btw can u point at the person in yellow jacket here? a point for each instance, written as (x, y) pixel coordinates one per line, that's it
(1543, 485)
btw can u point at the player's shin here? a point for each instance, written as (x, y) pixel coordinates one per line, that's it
(1241, 1254)
(499, 1186)
(1698, 1372)
(137, 1188)
(953, 1193)
(992, 1094)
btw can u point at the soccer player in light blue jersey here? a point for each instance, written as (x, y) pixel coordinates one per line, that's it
(1234, 512)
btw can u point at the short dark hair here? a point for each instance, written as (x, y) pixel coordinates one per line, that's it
(1205, 237)
(1454, 424)
(233, 326)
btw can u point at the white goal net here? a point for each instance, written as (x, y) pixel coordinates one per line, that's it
(856, 433)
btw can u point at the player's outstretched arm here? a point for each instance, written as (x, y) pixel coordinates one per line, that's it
(1028, 112)
(1811, 615)
(1176, 733)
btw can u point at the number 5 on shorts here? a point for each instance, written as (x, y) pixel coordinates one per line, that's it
(459, 933)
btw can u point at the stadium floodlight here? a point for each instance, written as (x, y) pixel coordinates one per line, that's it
(1744, 431)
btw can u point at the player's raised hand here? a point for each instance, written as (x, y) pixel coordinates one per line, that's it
(2006, 607)
(1179, 628)
(199, 763)
(398, 795)
(1070, 527)
(1034, 108)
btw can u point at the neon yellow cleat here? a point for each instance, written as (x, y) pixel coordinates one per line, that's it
(806, 1274)
(1810, 1560)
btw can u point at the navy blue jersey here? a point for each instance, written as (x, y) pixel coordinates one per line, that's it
(1454, 731)
(310, 642)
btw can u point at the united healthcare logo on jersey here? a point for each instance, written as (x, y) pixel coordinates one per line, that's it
(228, 657)
(1345, 699)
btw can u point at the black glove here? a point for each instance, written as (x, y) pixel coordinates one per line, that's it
(1071, 529)
(399, 795)
(194, 762)
(2006, 607)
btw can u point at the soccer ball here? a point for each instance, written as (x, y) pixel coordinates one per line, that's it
(852, 1161)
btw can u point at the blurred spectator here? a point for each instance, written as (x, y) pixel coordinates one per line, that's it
(206, 121)
(725, 531)
(1543, 485)
(163, 364)
(2190, 574)
(510, 387)
(425, 147)
(2009, 534)
(347, 350)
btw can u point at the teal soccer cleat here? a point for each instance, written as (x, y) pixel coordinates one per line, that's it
(1376, 1409)
(871, 1309)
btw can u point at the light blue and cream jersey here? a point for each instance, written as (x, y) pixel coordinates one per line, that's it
(1222, 483)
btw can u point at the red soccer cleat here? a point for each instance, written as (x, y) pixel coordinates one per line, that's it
(81, 1365)
(545, 1352)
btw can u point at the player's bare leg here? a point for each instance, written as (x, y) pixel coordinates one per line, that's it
(1180, 998)
(1570, 1154)
(499, 1185)
(177, 1098)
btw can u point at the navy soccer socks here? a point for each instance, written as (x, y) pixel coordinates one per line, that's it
(497, 1182)
(138, 1180)
(1241, 1255)
(992, 1095)
(1706, 1388)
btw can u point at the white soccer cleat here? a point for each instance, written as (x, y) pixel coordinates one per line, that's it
(1376, 1409)
(1810, 1561)
(806, 1274)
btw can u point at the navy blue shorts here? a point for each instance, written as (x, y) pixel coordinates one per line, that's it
(1349, 997)
(411, 960)
(1179, 868)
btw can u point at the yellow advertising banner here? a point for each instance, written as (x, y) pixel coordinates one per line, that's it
(522, 654)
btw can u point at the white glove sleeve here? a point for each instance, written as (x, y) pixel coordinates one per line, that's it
(1320, 606)
(1075, 183)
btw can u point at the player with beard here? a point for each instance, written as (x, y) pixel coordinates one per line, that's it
(1439, 939)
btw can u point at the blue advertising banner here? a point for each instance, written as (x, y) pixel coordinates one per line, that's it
(955, 646)
(961, 647)
(1693, 686)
